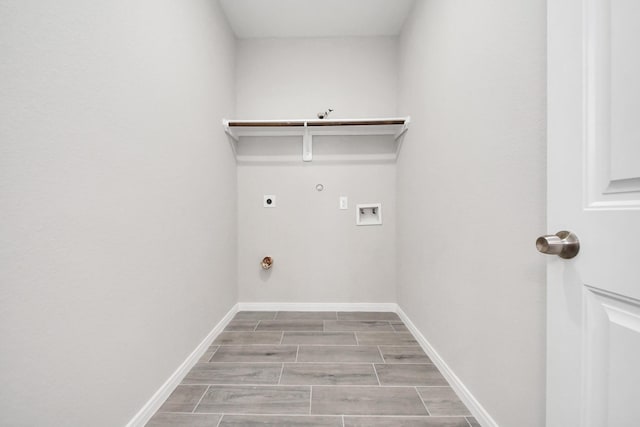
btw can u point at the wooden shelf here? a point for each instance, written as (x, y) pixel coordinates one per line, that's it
(276, 139)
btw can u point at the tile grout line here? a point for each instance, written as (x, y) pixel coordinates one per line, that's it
(281, 338)
(297, 351)
(381, 355)
(310, 398)
(271, 414)
(262, 385)
(468, 422)
(357, 362)
(281, 371)
(421, 400)
(214, 353)
(356, 337)
(343, 421)
(376, 372)
(220, 420)
(200, 400)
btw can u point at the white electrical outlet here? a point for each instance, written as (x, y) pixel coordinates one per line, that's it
(344, 202)
(269, 201)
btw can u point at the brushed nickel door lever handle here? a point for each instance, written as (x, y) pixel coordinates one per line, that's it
(565, 244)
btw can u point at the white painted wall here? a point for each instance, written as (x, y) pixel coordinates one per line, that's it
(320, 255)
(297, 78)
(472, 76)
(117, 256)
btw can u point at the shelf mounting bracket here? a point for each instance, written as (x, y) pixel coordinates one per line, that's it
(307, 145)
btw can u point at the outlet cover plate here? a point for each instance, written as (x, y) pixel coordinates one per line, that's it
(344, 202)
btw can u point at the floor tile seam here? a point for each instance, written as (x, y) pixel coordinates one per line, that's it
(285, 344)
(275, 362)
(381, 355)
(409, 364)
(216, 384)
(389, 386)
(301, 415)
(297, 330)
(360, 330)
(200, 400)
(330, 363)
(244, 385)
(250, 361)
(310, 414)
(376, 372)
(402, 416)
(257, 345)
(422, 400)
(307, 362)
(281, 371)
(251, 344)
(327, 345)
(249, 385)
(304, 385)
(222, 414)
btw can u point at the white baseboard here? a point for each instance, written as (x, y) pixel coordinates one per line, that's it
(301, 306)
(144, 415)
(461, 390)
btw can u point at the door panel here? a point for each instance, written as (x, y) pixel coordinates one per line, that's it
(593, 300)
(612, 359)
(612, 102)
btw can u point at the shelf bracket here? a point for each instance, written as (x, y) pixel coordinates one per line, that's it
(227, 130)
(405, 128)
(307, 145)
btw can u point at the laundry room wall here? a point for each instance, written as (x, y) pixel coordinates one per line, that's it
(472, 76)
(116, 259)
(320, 254)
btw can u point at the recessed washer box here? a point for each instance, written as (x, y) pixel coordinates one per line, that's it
(369, 214)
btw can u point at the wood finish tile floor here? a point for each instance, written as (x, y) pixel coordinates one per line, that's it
(337, 369)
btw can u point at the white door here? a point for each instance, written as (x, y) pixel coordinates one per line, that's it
(593, 300)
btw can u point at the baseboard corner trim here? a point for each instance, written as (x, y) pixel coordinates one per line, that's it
(320, 306)
(159, 397)
(478, 411)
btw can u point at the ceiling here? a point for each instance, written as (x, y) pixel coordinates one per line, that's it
(316, 18)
